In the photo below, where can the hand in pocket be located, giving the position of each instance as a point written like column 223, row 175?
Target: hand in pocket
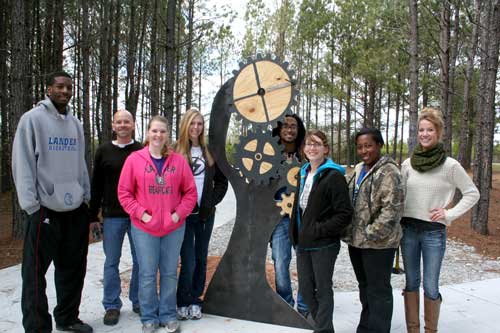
column 146, row 218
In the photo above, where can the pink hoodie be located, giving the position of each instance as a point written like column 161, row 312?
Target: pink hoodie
column 139, row 191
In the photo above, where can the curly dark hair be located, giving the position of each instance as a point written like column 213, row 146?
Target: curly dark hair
column 301, row 131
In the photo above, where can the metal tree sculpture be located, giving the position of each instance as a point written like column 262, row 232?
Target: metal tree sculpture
column 261, row 93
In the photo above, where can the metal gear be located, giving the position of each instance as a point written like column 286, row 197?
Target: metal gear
column 288, row 174
column 258, row 156
column 286, row 203
column 263, row 90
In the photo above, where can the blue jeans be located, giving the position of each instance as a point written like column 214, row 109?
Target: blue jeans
column 281, row 250
column 194, row 254
column 430, row 245
column 153, row 254
column 114, row 231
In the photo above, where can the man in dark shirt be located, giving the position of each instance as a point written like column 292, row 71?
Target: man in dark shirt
column 108, row 163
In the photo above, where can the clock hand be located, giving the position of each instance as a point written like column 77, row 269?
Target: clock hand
column 278, row 86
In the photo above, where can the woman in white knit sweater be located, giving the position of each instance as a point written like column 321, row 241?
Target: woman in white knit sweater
column 431, row 180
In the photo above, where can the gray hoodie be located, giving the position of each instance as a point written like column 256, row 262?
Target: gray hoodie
column 48, row 160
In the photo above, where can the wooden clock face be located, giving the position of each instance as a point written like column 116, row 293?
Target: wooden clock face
column 262, row 91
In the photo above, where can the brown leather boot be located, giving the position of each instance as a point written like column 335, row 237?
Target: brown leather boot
column 412, row 312
column 431, row 314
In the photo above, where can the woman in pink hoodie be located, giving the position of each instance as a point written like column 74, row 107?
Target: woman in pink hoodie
column 157, row 190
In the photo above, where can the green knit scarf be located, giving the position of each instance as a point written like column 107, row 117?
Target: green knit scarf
column 423, row 161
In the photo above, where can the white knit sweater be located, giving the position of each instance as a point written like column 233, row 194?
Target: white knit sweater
column 435, row 189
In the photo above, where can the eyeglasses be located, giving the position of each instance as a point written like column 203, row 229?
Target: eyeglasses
column 314, row 145
column 287, row 127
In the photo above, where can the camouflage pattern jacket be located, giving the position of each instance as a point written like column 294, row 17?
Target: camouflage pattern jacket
column 378, row 206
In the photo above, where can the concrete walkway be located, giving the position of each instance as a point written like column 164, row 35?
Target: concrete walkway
column 469, row 307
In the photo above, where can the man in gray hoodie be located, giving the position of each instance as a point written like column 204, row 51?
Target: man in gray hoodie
column 52, row 184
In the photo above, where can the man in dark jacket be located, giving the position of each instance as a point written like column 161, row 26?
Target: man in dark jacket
column 108, row 163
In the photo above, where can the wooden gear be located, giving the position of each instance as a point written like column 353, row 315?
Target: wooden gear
column 286, row 204
column 262, row 91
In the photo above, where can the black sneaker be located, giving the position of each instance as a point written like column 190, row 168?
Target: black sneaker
column 111, row 317
column 136, row 309
column 78, row 326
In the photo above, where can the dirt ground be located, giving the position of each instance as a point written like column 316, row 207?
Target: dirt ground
column 11, row 250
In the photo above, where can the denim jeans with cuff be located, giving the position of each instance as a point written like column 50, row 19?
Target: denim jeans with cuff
column 114, row 230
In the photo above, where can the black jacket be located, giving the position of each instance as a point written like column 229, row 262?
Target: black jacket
column 327, row 214
column 214, row 189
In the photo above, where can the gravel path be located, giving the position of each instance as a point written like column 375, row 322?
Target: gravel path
column 461, row 263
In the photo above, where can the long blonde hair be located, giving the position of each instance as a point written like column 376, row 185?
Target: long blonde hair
column 183, row 145
column 165, row 149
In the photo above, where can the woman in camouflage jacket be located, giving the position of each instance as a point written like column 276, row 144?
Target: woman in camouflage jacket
column 377, row 194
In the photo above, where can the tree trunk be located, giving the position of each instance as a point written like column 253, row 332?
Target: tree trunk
column 370, row 112
column 105, row 133
column 5, row 178
column 316, row 83
column 134, row 61
column 387, row 121
column 378, row 111
column 200, row 73
column 85, row 45
column 170, row 60
column 453, row 62
column 444, row 60
column 365, row 104
column 339, row 123
column 189, row 60
column 130, row 87
column 178, row 81
column 348, row 116
column 413, row 69
column 39, row 89
column 20, row 87
column 464, row 152
column 48, row 42
column 396, row 121
column 58, row 35
column 401, row 144
column 115, row 54
column 155, row 64
column 490, row 42
column 425, row 84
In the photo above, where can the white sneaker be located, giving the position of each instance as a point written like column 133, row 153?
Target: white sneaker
column 183, row 313
column 148, row 328
column 195, row 311
column 172, row 326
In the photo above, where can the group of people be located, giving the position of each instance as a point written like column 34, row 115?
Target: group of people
column 376, row 209
column 163, row 197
